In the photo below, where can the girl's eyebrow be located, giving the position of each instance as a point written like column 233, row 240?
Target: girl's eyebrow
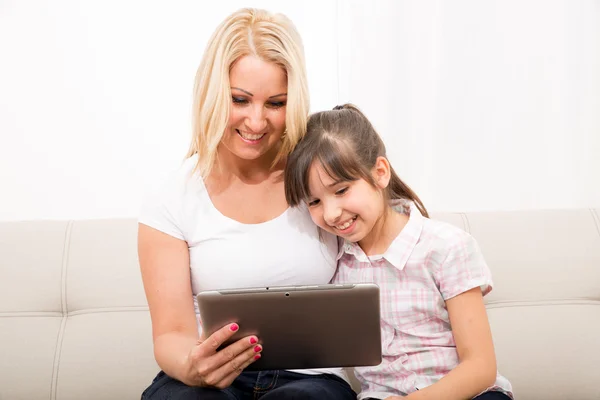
column 251, row 95
column 335, row 182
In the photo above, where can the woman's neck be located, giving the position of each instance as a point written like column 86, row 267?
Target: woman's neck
column 229, row 166
column 387, row 228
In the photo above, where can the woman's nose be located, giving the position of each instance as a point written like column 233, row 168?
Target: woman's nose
column 256, row 120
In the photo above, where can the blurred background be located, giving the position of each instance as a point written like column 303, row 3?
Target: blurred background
column 483, row 104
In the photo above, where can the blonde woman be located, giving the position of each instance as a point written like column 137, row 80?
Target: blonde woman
column 222, row 220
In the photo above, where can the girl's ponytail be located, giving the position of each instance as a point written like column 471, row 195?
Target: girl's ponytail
column 346, row 144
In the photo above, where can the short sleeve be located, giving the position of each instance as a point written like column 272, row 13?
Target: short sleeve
column 463, row 269
column 163, row 208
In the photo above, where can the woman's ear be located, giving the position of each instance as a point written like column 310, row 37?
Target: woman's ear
column 382, row 172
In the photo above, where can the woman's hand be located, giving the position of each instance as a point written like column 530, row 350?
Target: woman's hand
column 211, row 368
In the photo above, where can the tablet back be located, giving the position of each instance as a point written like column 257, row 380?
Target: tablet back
column 301, row 327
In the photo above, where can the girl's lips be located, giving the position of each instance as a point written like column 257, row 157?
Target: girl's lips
column 347, row 230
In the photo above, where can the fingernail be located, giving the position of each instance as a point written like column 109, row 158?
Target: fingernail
column 253, row 340
column 234, row 327
column 256, row 357
column 257, row 349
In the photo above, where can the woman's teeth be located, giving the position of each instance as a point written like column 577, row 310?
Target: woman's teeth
column 249, row 136
column 346, row 225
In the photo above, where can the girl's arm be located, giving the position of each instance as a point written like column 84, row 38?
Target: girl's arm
column 472, row 334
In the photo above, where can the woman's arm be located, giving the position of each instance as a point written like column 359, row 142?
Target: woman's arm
column 472, row 334
column 164, row 263
column 179, row 352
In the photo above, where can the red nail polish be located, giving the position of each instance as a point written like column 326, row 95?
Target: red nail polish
column 234, row 327
column 257, row 349
column 256, row 357
column 253, row 340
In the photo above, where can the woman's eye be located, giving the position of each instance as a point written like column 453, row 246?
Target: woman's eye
column 239, row 100
column 276, row 104
column 313, row 203
column 341, row 191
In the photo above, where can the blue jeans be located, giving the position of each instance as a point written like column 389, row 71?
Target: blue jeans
column 483, row 396
column 251, row 385
column 492, row 396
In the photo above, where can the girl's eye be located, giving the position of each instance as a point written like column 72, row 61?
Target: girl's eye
column 239, row 100
column 342, row 191
column 313, row 203
column 276, row 104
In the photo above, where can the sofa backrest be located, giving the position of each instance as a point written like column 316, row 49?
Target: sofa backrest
column 74, row 322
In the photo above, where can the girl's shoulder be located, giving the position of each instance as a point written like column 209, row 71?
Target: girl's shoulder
column 443, row 237
column 443, row 230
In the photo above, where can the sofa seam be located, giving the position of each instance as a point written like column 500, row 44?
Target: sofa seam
column 596, row 219
column 64, row 310
column 83, row 311
column 48, row 314
column 466, row 223
column 101, row 310
column 65, row 262
column 542, row 303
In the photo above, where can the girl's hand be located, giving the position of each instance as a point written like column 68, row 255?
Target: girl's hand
column 211, row 368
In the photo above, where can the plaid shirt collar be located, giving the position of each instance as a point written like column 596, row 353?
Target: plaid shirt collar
column 401, row 247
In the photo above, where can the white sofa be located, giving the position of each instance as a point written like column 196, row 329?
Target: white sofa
column 74, row 323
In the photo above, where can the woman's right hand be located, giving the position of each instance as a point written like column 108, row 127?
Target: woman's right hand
column 211, row 368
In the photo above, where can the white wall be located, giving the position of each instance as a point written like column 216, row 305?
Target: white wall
column 483, row 105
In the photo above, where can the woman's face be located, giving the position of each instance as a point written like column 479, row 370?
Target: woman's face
column 258, row 106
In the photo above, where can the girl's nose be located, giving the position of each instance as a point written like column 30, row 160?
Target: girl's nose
column 332, row 214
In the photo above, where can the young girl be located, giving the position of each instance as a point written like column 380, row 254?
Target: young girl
column 436, row 339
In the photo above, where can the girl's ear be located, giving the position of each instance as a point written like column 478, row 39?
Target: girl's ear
column 382, row 172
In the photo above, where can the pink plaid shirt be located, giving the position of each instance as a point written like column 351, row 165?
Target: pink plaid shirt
column 429, row 262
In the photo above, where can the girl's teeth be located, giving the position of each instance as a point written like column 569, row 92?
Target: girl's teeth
column 346, row 225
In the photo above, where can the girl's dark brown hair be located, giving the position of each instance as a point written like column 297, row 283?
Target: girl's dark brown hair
column 346, row 144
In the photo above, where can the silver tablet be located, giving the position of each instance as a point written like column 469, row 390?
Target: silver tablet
column 301, row 327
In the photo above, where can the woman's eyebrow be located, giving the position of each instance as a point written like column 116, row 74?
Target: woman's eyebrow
column 242, row 90
column 251, row 95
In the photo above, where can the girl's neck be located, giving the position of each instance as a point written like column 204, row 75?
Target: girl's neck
column 387, row 228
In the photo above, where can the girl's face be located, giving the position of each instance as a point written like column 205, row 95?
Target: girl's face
column 350, row 209
column 258, row 106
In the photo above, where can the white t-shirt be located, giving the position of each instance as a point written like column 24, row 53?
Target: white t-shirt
column 227, row 254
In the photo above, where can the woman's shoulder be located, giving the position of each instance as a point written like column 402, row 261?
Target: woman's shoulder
column 164, row 205
column 181, row 179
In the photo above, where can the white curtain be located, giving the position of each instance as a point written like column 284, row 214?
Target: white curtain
column 484, row 105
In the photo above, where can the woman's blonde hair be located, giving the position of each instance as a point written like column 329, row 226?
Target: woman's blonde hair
column 270, row 37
